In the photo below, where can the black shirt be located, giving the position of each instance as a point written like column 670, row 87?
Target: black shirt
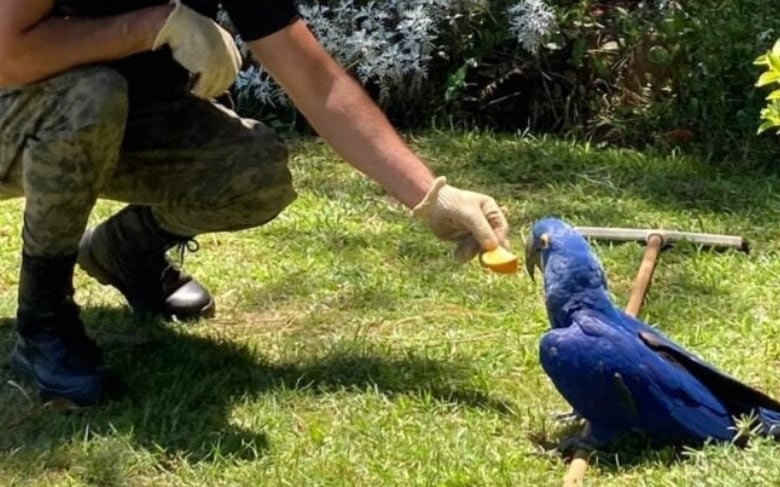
column 154, row 74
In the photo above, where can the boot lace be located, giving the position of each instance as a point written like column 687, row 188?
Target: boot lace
column 191, row 245
column 172, row 273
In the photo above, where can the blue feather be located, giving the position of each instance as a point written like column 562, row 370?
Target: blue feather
column 621, row 374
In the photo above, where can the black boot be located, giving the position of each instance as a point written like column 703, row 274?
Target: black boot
column 128, row 251
column 53, row 349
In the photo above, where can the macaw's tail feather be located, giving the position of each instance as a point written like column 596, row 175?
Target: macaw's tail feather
column 770, row 423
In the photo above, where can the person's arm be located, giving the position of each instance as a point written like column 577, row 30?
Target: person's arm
column 340, row 111
column 34, row 46
column 338, row 108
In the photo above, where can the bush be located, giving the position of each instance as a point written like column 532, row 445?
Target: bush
column 771, row 76
column 411, row 55
column 707, row 82
column 633, row 73
column 668, row 72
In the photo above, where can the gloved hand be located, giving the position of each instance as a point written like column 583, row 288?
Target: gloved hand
column 472, row 219
column 202, row 47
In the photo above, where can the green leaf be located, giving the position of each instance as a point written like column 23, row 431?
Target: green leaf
column 764, row 127
column 776, row 48
column 598, row 65
column 774, row 61
column 767, row 78
column 773, row 96
column 762, row 60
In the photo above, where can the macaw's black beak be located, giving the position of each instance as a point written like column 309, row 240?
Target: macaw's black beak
column 533, row 258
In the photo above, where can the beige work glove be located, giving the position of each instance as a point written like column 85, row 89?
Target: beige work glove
column 472, row 219
column 203, row 47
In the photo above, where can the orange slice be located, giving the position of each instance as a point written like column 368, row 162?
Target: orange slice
column 499, row 260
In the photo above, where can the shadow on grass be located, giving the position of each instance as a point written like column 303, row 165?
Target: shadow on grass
column 182, row 389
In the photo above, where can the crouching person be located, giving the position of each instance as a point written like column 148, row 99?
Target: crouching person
column 119, row 101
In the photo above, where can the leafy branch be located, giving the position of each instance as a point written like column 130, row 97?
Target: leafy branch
column 771, row 76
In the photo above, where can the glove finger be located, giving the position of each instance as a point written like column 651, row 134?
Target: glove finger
column 205, row 83
column 232, row 58
column 198, row 89
column 467, row 249
column 215, row 81
column 210, row 85
column 203, row 88
column 487, row 228
column 497, row 219
column 235, row 53
column 227, row 76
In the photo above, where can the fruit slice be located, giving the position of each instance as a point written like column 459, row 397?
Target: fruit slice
column 499, row 260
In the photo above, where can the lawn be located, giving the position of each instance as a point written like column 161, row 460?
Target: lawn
column 349, row 349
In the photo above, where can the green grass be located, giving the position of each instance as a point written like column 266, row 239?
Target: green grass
column 349, row 349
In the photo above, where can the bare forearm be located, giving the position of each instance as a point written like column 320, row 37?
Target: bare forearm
column 361, row 134
column 57, row 44
column 340, row 111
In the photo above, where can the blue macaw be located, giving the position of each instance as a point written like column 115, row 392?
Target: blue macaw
column 620, row 374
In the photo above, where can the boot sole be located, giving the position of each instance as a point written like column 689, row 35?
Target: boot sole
column 207, row 311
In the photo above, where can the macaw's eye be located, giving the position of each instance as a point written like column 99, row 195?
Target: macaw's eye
column 545, row 241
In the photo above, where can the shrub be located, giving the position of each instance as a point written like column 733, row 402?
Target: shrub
column 664, row 72
column 409, row 54
column 771, row 76
column 622, row 71
column 707, row 88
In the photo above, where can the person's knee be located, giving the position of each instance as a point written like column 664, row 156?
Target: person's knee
column 251, row 187
column 265, row 165
column 259, row 191
column 259, row 170
column 276, row 147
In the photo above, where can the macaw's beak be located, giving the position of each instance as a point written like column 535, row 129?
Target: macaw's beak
column 533, row 258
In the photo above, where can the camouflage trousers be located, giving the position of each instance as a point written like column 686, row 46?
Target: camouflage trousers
column 71, row 139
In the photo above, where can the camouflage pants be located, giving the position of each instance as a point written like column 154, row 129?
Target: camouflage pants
column 76, row 137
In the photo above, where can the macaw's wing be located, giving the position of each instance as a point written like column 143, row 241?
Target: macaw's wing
column 584, row 369
column 585, row 359
column 736, row 395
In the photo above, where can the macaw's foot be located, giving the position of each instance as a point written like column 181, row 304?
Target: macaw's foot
column 568, row 446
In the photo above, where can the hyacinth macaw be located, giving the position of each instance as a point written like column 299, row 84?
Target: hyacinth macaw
column 620, row 374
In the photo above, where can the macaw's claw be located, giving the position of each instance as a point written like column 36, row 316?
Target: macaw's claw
column 567, row 417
